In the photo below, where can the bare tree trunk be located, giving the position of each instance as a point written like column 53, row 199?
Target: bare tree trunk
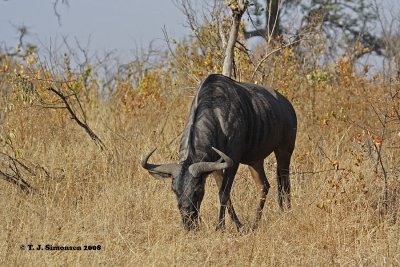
column 273, row 18
column 238, row 7
column 272, row 28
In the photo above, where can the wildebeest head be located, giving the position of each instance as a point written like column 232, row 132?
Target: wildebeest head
column 188, row 181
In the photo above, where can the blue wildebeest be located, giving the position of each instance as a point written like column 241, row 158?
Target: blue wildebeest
column 230, row 123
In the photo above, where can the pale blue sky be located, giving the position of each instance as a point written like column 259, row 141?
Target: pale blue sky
column 120, row 25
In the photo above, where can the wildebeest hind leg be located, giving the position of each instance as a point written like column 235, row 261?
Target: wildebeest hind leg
column 283, row 162
column 258, row 173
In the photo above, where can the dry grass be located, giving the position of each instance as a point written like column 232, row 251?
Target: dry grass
column 340, row 214
column 94, row 198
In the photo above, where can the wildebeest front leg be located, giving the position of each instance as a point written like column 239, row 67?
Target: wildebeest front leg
column 225, row 193
column 218, row 176
column 258, row 173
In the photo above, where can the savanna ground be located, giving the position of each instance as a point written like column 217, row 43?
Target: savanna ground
column 344, row 173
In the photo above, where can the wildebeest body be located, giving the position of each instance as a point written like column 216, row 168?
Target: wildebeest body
column 230, row 123
column 246, row 121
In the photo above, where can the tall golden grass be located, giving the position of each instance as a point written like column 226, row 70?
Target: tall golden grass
column 340, row 212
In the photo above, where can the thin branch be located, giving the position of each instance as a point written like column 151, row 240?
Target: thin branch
column 378, row 150
column 167, row 40
column 56, row 13
column 16, row 177
column 18, row 181
column 83, row 124
column 273, row 52
column 320, row 171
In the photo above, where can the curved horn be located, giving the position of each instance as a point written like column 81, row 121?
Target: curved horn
column 201, row 167
column 159, row 171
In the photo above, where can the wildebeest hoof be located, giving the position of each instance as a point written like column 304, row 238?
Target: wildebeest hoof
column 239, row 227
column 220, row 227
